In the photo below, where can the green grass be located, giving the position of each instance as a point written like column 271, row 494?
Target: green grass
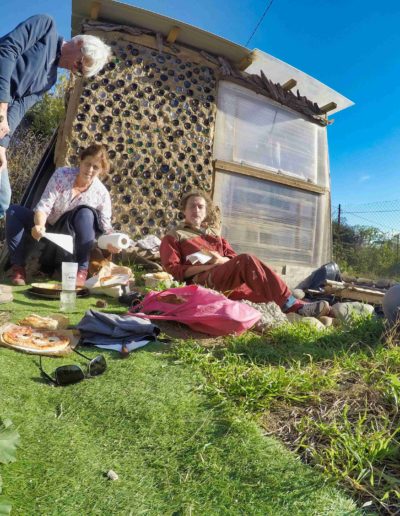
column 177, row 449
column 331, row 396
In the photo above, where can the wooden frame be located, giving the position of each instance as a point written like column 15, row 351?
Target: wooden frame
column 248, row 170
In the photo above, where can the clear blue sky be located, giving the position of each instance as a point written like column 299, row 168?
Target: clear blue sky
column 352, row 46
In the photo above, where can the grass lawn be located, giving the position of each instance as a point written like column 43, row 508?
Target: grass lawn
column 177, row 447
column 332, row 396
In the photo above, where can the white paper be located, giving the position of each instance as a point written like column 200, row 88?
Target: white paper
column 198, row 257
column 118, row 347
column 66, row 242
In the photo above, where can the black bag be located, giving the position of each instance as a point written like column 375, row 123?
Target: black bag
column 329, row 271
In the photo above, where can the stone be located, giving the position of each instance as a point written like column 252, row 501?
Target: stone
column 271, row 315
column 391, row 304
column 298, row 293
column 348, row 278
column 382, row 283
column 294, row 318
column 365, row 281
column 326, row 321
column 346, row 311
column 112, row 475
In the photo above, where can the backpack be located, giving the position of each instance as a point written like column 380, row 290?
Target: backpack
column 329, row 271
column 200, row 308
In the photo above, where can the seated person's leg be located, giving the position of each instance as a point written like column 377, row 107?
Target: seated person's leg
column 19, row 222
column 85, row 235
column 246, row 277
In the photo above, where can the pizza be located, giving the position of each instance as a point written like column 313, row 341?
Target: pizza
column 31, row 339
column 39, row 322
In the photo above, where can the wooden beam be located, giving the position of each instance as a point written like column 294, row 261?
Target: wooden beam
column 348, row 291
column 245, row 62
column 289, row 85
column 328, row 107
column 173, row 34
column 260, row 173
column 95, row 10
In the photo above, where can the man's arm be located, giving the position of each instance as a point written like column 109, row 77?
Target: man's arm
column 3, row 159
column 4, row 127
column 15, row 113
column 15, row 43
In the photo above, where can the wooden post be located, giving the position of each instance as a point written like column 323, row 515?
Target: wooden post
column 328, row 107
column 94, row 10
column 173, row 34
column 289, row 85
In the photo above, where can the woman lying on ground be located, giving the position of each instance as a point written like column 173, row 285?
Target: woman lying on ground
column 75, row 202
column 240, row 276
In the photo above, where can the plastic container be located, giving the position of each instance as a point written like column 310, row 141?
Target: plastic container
column 67, row 301
column 69, row 271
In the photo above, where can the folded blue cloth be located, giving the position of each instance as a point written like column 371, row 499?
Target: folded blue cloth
column 103, row 328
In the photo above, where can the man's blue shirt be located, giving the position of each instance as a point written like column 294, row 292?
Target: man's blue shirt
column 29, row 57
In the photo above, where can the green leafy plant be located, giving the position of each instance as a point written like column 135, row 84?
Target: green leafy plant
column 9, row 439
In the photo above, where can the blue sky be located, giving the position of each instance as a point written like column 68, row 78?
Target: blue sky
column 352, row 46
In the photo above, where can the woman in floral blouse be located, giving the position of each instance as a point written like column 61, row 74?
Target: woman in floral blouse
column 73, row 198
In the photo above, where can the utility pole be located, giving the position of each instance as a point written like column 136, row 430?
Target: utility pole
column 339, row 215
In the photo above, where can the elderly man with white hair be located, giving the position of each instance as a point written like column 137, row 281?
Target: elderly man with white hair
column 29, row 57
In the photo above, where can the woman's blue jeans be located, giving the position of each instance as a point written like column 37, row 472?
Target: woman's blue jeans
column 20, row 221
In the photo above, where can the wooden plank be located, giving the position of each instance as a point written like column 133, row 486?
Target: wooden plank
column 173, row 34
column 289, row 85
column 260, row 173
column 245, row 62
column 350, row 286
column 375, row 298
column 95, row 10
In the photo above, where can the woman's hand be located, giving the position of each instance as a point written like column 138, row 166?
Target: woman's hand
column 38, row 231
column 217, row 259
column 112, row 249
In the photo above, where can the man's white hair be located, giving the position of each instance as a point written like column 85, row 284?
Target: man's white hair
column 95, row 53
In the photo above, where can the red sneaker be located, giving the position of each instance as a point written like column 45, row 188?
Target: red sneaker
column 81, row 277
column 18, row 275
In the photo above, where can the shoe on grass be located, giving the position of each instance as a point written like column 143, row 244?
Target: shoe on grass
column 18, row 275
column 81, row 277
column 315, row 309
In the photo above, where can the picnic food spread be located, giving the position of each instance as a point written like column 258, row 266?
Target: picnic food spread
column 44, row 323
column 30, row 339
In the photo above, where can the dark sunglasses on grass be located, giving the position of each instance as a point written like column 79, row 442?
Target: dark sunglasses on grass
column 67, row 374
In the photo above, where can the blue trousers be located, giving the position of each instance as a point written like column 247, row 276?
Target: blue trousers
column 5, row 192
column 20, row 221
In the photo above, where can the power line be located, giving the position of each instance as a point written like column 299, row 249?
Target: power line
column 259, row 21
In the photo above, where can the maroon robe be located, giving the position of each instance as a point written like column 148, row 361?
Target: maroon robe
column 244, row 276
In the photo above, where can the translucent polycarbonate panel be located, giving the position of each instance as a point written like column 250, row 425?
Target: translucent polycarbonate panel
column 254, row 130
column 279, row 224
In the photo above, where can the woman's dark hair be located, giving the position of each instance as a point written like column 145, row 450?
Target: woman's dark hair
column 96, row 149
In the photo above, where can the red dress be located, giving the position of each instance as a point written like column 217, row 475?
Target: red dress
column 244, row 276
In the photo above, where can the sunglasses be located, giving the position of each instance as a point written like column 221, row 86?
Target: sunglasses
column 79, row 67
column 68, row 374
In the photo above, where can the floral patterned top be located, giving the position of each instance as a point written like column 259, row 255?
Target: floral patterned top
column 57, row 197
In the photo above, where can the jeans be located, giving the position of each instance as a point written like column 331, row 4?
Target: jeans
column 5, row 192
column 20, row 221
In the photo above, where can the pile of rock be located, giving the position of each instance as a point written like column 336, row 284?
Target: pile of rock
column 342, row 314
